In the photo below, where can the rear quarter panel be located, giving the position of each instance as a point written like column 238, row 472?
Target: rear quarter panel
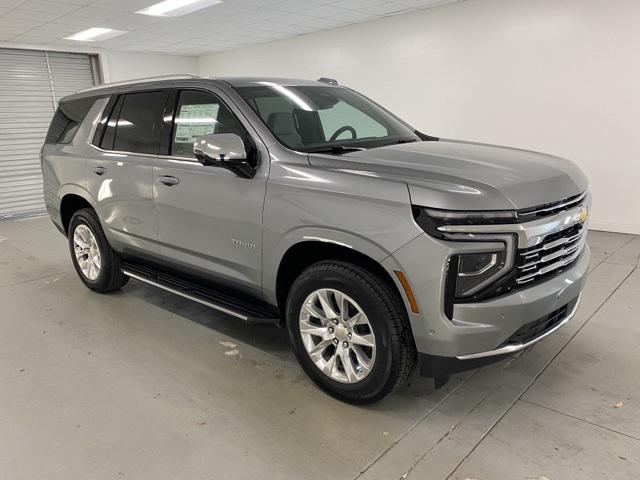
column 64, row 166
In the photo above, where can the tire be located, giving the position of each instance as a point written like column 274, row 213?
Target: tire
column 108, row 276
column 384, row 369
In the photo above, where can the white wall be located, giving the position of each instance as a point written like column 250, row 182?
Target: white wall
column 118, row 66
column 560, row 76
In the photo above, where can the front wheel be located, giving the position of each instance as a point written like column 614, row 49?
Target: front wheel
column 350, row 332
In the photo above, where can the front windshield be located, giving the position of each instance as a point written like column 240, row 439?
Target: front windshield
column 323, row 118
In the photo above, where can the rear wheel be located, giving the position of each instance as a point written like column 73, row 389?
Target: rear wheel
column 97, row 264
column 350, row 332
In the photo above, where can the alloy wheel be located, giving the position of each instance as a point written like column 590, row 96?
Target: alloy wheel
column 87, row 252
column 337, row 335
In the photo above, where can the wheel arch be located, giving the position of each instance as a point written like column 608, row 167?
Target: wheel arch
column 303, row 254
column 71, row 202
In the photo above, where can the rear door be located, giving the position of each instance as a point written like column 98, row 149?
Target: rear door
column 210, row 219
column 120, row 168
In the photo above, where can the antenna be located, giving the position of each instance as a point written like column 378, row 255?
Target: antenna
column 330, row 81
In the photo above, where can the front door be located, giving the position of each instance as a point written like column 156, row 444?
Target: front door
column 210, row 219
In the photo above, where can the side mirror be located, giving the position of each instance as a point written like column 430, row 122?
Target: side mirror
column 224, row 150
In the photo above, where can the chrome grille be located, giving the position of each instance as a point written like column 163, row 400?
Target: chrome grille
column 528, row 214
column 556, row 251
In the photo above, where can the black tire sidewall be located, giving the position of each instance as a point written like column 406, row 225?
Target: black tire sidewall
column 374, row 384
column 87, row 218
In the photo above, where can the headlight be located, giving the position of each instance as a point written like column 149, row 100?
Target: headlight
column 470, row 274
column 478, row 270
column 475, row 271
column 432, row 218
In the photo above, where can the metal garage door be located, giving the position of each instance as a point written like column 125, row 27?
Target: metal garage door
column 31, row 83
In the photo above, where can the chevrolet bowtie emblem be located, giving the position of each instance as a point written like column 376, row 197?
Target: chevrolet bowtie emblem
column 582, row 214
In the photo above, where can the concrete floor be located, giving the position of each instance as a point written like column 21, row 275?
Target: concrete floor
column 137, row 385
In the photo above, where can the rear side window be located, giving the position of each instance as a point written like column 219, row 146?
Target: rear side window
column 67, row 120
column 135, row 123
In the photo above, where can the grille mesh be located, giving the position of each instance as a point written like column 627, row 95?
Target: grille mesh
column 557, row 250
column 538, row 327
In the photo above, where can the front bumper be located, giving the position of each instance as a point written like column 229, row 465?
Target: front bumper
column 482, row 332
column 442, row 367
column 509, row 347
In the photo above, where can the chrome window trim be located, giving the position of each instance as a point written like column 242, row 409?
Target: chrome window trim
column 150, row 155
column 122, row 152
column 176, row 158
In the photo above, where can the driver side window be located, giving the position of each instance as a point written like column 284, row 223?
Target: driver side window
column 200, row 113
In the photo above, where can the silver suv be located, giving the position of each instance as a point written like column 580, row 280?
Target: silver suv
column 306, row 204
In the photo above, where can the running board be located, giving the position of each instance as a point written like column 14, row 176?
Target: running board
column 222, row 302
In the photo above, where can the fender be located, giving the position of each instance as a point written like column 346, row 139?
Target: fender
column 348, row 240
column 71, row 189
column 75, row 189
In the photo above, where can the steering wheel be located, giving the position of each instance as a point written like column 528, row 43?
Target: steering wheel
column 341, row 130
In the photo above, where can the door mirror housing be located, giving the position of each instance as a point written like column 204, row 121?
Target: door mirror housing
column 225, row 150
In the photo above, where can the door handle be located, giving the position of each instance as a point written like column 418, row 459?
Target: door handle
column 99, row 170
column 168, row 180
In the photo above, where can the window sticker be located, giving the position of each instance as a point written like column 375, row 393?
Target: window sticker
column 195, row 120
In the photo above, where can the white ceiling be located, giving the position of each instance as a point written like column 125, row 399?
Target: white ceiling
column 231, row 24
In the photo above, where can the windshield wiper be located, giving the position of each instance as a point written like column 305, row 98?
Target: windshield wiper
column 401, row 140
column 335, row 149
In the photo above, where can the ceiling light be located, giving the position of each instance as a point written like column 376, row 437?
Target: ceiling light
column 175, row 8
column 94, row 34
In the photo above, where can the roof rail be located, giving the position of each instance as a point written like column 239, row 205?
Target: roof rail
column 140, row 80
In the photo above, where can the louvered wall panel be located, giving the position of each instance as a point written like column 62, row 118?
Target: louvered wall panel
column 27, row 102
column 70, row 72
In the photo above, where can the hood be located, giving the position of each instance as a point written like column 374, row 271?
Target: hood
column 457, row 175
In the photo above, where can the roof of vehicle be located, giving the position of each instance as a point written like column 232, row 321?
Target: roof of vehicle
column 109, row 88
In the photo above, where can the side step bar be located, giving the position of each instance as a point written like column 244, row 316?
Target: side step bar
column 222, row 302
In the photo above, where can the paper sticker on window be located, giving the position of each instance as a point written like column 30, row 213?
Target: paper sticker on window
column 195, row 120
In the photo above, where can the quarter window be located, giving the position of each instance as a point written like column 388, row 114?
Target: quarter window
column 67, row 119
column 200, row 113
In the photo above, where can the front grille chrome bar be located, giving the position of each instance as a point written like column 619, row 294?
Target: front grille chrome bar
column 530, row 234
column 555, row 207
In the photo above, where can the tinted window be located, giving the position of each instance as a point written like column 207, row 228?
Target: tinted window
column 104, row 118
column 67, row 120
column 200, row 113
column 139, row 123
column 110, row 131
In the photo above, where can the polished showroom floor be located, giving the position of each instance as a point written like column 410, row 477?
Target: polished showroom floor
column 139, row 385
